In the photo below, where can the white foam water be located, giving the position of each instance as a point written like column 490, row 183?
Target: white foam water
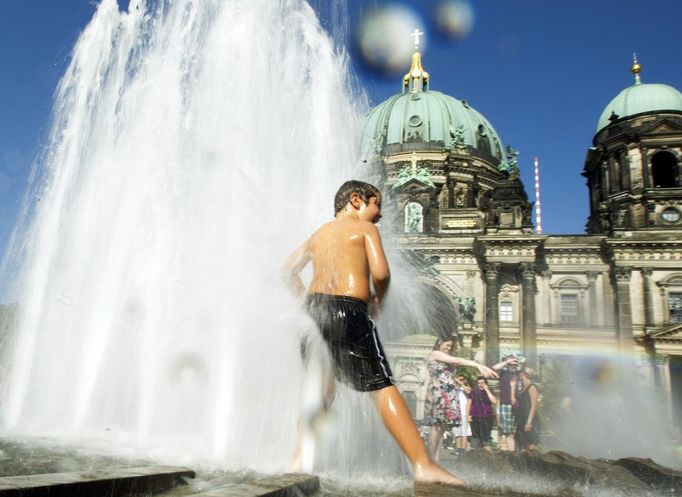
column 194, row 145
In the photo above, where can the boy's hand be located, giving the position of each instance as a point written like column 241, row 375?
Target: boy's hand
column 373, row 307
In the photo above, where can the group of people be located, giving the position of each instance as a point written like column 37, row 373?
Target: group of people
column 451, row 404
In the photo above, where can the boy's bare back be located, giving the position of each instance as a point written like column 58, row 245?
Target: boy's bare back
column 345, row 254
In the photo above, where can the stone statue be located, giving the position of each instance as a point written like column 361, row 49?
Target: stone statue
column 511, row 163
column 459, row 198
column 414, row 218
column 467, row 308
column 409, row 172
column 457, row 138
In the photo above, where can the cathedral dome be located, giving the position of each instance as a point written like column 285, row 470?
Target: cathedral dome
column 430, row 117
column 640, row 98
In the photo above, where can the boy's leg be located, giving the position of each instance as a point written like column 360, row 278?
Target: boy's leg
column 398, row 420
column 305, row 428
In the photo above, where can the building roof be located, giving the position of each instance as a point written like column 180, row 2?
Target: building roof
column 640, row 98
column 422, row 115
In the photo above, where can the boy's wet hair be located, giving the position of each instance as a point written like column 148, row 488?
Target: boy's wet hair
column 364, row 190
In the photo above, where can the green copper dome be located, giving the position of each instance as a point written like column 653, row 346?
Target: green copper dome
column 641, row 98
column 430, row 116
column 422, row 116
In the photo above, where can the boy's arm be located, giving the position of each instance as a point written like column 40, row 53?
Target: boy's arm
column 378, row 264
column 293, row 266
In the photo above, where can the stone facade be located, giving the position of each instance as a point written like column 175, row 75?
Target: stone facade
column 617, row 288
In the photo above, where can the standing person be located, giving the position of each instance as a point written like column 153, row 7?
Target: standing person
column 350, row 278
column 509, row 373
column 463, row 431
column 441, row 407
column 527, row 420
column 481, row 413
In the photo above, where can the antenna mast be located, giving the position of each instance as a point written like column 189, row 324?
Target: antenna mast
column 538, row 210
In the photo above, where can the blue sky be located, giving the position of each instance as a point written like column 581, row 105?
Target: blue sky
column 540, row 71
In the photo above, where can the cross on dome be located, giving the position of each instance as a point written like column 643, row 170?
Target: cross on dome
column 414, row 159
column 416, row 34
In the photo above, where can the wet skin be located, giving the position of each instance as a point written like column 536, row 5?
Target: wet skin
column 345, row 253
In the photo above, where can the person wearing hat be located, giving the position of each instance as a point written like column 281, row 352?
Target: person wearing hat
column 509, row 382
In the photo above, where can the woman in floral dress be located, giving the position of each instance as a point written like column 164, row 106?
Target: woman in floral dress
column 441, row 408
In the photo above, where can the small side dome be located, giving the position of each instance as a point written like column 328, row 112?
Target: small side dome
column 640, row 99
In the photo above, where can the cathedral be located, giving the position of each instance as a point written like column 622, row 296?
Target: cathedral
column 465, row 217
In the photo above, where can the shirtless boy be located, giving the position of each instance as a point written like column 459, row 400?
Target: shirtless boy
column 346, row 254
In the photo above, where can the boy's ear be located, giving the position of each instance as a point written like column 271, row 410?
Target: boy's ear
column 355, row 200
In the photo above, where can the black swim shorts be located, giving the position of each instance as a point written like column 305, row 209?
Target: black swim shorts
column 350, row 334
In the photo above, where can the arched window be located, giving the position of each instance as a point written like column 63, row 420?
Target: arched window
column 675, row 307
column 414, row 218
column 673, row 294
column 664, row 170
column 506, row 311
column 569, row 295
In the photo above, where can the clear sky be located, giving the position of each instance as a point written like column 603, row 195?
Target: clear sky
column 541, row 71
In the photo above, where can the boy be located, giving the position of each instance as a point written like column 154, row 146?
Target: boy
column 346, row 253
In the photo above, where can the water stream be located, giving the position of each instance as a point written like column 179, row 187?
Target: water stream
column 194, row 145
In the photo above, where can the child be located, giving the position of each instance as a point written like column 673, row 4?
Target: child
column 481, row 413
column 346, row 253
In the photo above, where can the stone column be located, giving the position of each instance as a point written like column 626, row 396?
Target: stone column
column 592, row 296
column 605, row 180
column 529, row 345
column 623, row 308
column 614, row 177
column 624, row 159
column 451, row 193
column 649, row 319
column 492, row 314
column 646, row 172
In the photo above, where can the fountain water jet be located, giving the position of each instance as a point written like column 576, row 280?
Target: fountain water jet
column 194, row 145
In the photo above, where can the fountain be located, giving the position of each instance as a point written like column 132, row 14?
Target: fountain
column 194, row 145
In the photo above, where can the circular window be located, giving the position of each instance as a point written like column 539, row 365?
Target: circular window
column 671, row 215
column 415, row 120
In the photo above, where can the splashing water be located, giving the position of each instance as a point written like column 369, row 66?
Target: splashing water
column 195, row 144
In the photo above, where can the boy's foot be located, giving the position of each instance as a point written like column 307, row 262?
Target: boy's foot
column 434, row 473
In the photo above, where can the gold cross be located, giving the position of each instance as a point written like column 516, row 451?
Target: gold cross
column 416, row 34
column 413, row 159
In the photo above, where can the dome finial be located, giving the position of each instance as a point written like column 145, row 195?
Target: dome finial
column 417, row 79
column 636, row 69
